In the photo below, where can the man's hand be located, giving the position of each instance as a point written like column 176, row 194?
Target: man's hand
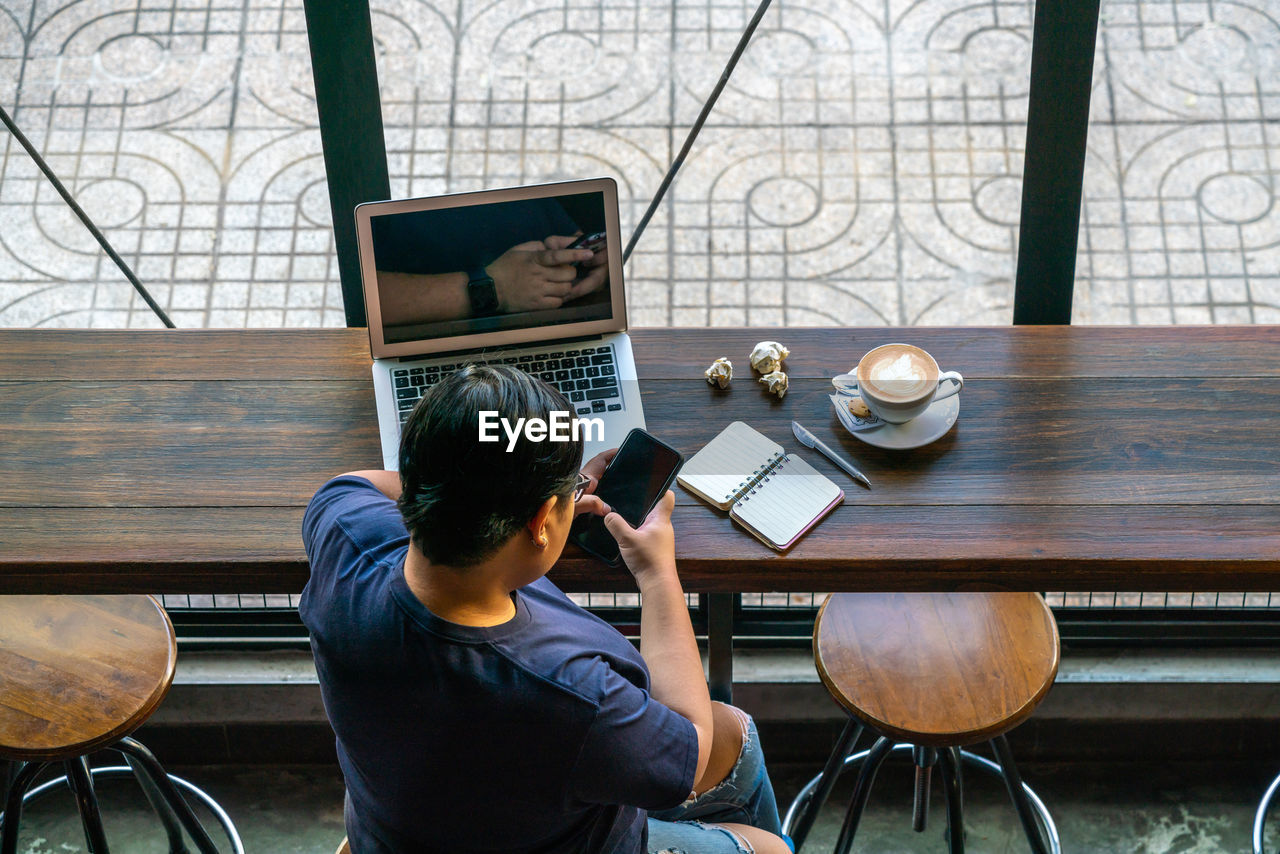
column 591, row 282
column 561, row 241
column 650, row 550
column 533, row 277
column 593, row 469
column 594, row 273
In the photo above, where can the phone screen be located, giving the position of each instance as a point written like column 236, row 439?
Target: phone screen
column 636, row 478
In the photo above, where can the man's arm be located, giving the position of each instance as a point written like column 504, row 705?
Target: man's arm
column 667, row 643
column 387, row 482
column 423, row 297
column 527, row 277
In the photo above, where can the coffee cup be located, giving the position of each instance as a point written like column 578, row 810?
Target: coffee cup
column 898, row 382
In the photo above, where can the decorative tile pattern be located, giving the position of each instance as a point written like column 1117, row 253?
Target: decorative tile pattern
column 862, row 167
column 1181, row 223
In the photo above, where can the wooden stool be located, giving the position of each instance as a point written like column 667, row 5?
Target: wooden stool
column 344, row 848
column 931, row 673
column 79, row 674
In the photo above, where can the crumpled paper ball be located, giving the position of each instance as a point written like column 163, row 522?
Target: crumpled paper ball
column 720, row 373
column 776, row 382
column 767, row 356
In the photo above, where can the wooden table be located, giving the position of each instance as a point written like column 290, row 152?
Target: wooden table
column 1084, row 459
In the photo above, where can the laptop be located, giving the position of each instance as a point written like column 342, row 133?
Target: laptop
column 526, row 276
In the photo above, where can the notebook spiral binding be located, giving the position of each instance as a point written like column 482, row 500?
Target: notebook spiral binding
column 747, row 488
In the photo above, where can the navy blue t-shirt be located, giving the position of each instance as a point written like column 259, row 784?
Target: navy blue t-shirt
column 537, row 735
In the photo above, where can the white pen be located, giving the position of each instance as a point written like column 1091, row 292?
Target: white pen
column 811, row 441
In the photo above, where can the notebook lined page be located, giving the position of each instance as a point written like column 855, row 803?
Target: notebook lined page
column 730, row 459
column 792, row 498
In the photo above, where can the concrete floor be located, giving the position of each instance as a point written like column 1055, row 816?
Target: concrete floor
column 1099, row 809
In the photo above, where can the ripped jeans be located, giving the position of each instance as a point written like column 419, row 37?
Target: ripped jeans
column 744, row 797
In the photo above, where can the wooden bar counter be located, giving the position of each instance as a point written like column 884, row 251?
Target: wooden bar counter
column 1084, row 458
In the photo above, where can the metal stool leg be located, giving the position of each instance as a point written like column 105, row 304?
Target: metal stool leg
column 952, row 756
column 953, row 788
column 7, row 778
column 959, row 763
column 1013, row 781
column 1261, row 818
column 808, row 811
column 172, row 827
column 24, row 774
column 81, row 784
column 1046, row 820
column 219, row 814
column 150, row 766
column 861, row 793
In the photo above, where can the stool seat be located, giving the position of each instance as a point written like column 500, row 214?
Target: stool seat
column 77, row 673
column 934, row 672
column 937, row 669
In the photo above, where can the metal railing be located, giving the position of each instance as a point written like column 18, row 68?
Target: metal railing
column 786, row 619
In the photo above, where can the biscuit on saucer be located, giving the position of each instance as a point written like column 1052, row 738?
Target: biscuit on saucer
column 857, row 408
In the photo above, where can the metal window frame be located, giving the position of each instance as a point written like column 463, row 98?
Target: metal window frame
column 1064, row 40
column 1063, row 44
column 349, row 105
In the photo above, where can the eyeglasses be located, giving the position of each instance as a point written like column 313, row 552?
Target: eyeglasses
column 580, row 486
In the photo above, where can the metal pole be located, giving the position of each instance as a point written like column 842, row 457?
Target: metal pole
column 350, row 109
column 44, row 167
column 1062, row 49
column 720, row 645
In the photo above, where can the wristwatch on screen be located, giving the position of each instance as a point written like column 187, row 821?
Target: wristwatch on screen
column 482, row 293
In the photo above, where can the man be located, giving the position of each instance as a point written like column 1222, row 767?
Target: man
column 476, row 707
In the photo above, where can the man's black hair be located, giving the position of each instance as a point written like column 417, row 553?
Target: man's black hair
column 463, row 498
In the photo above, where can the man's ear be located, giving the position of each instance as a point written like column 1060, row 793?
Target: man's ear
column 539, row 520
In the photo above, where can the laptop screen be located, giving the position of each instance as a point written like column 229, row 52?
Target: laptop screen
column 495, row 266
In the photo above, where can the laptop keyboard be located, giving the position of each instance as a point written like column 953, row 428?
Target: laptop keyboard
column 588, row 376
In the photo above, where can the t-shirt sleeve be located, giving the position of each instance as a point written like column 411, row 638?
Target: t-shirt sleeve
column 637, row 751
column 348, row 518
column 561, row 222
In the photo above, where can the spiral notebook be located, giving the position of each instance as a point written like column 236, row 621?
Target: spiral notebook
column 775, row 496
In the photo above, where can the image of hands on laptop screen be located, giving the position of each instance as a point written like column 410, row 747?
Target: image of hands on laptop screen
column 489, row 267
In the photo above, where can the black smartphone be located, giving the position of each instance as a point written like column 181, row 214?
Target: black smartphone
column 594, row 242
column 635, row 479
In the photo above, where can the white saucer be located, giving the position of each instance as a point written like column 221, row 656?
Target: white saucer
column 929, row 426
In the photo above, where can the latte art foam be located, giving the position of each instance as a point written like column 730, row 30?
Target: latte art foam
column 898, row 372
column 901, row 369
